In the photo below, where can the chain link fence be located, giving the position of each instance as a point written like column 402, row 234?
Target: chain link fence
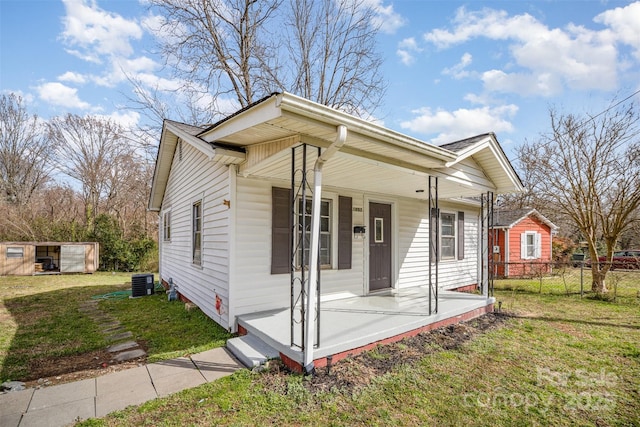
column 569, row 278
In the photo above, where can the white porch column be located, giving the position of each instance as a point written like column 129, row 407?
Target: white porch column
column 315, row 246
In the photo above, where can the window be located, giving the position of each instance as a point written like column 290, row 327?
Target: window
column 530, row 245
column 166, row 226
column 379, row 230
column 447, row 236
column 325, row 232
column 282, row 229
column 15, row 252
column 197, row 232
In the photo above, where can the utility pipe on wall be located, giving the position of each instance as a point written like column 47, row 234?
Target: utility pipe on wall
column 315, row 244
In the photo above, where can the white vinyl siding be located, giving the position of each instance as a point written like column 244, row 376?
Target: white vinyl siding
column 530, row 245
column 414, row 248
column 192, row 179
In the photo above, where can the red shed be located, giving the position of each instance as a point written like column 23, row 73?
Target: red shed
column 523, row 239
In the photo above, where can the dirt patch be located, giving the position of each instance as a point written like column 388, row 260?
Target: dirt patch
column 60, row 370
column 348, row 375
column 356, row 372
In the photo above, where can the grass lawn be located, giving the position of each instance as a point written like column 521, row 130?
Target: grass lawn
column 40, row 322
column 559, row 360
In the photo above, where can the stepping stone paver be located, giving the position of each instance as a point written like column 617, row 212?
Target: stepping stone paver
column 119, row 337
column 122, row 346
column 128, row 355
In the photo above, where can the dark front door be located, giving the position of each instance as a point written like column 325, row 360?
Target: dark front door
column 379, row 246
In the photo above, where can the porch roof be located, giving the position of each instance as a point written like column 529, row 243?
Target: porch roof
column 373, row 159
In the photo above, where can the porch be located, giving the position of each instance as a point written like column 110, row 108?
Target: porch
column 358, row 323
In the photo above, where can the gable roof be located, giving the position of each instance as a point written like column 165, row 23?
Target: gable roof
column 172, row 132
column 281, row 118
column 511, row 217
column 463, row 144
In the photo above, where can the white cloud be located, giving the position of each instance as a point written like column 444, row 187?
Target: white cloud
column 406, row 57
column 60, row 95
column 72, row 77
column 123, row 68
column 462, row 123
column 459, row 71
column 385, row 17
column 544, row 84
column 407, row 49
column 625, row 24
column 92, row 32
column 127, row 119
column 548, row 58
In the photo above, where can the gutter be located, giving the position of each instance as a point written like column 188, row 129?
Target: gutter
column 315, row 246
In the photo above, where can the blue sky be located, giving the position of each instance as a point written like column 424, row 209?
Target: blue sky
column 454, row 69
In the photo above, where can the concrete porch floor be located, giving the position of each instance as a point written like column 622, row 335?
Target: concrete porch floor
column 354, row 324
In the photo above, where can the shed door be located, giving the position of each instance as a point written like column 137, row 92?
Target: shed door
column 379, row 246
column 72, row 259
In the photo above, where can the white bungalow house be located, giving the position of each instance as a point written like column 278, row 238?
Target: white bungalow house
column 398, row 226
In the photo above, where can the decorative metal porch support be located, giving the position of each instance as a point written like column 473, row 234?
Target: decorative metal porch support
column 434, row 244
column 302, row 194
column 487, row 234
column 306, row 254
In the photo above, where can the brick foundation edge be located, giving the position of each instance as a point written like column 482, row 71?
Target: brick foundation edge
column 322, row 362
column 291, row 364
column 467, row 288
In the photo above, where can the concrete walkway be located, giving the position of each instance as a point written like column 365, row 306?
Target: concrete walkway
column 65, row 404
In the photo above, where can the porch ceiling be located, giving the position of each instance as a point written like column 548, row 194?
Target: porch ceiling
column 374, row 174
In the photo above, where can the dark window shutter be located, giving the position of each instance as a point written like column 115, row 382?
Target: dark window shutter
column 345, row 222
column 280, row 230
column 460, row 235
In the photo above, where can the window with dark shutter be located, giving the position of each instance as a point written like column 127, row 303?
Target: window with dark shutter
column 280, row 230
column 345, row 222
column 460, row 235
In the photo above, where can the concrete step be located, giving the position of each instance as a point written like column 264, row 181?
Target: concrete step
column 251, row 351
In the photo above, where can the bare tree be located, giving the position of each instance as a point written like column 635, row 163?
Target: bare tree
column 323, row 50
column 332, row 52
column 91, row 150
column 25, row 153
column 218, row 46
column 588, row 169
